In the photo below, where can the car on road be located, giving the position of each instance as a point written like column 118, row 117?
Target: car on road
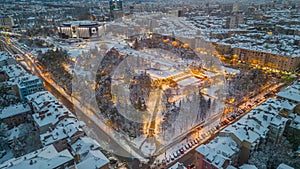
column 172, row 157
column 232, row 117
column 191, row 143
column 184, row 148
column 168, row 159
column 240, row 112
column 175, row 155
column 181, row 151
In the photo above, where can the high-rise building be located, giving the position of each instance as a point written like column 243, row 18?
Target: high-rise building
column 28, row 84
column 116, row 9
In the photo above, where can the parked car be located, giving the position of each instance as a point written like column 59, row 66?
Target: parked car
column 172, row 157
column 175, row 155
column 181, row 151
column 167, row 159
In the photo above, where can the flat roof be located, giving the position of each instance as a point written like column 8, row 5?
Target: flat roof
column 14, row 110
column 81, row 23
column 13, row 70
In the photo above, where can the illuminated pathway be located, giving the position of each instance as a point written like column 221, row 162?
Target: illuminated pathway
column 156, row 100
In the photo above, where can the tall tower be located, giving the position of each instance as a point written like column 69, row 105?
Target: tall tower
column 116, row 9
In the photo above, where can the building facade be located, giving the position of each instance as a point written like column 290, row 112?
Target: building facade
column 270, row 60
column 80, row 29
column 28, row 84
column 116, row 9
column 14, row 115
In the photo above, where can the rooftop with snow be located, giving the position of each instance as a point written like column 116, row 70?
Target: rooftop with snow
column 291, row 93
column 46, row 157
column 14, row 110
column 13, row 71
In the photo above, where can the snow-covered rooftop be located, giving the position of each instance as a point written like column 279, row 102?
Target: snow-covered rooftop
column 177, row 165
column 243, row 133
column 46, row 157
column 248, row 166
column 268, row 108
column 257, row 122
column 91, row 156
column 188, row 81
column 291, row 93
column 39, row 99
column 66, row 128
column 13, row 71
column 51, row 113
column 211, row 155
column 94, row 159
column 224, row 145
column 84, row 144
column 280, row 103
column 231, row 167
column 264, row 42
column 284, row 166
column 296, row 122
column 279, row 121
column 23, row 81
column 18, row 131
column 14, row 110
column 81, row 23
column 3, row 56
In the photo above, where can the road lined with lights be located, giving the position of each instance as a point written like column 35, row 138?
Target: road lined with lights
column 185, row 150
column 105, row 140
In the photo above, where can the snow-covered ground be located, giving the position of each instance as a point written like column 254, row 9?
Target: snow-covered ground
column 120, row 91
column 139, row 60
column 230, row 70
